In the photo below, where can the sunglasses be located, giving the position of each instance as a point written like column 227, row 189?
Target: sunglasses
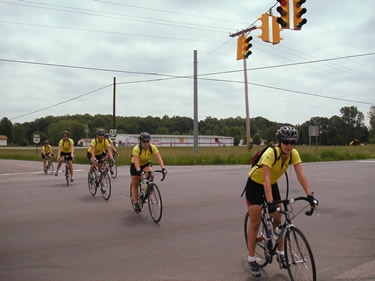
column 101, row 135
column 286, row 142
column 145, row 141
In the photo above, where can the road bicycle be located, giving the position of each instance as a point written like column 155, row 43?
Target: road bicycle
column 298, row 254
column 100, row 179
column 49, row 165
column 148, row 192
column 67, row 169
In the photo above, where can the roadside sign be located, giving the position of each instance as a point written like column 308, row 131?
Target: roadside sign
column 112, row 132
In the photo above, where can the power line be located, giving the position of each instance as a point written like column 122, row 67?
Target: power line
column 169, row 77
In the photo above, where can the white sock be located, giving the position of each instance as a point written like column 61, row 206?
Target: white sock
column 251, row 259
column 281, row 253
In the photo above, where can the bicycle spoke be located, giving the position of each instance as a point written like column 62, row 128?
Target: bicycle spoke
column 299, row 256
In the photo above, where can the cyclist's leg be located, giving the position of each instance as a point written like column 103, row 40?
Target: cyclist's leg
column 135, row 183
column 60, row 159
column 252, row 232
column 44, row 162
column 148, row 168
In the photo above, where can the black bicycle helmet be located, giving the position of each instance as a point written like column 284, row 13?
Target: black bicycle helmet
column 106, row 135
column 46, row 142
column 100, row 132
column 65, row 133
column 144, row 136
column 287, row 133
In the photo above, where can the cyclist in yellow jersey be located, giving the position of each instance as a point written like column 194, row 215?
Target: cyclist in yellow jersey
column 112, row 145
column 66, row 149
column 46, row 152
column 141, row 161
column 262, row 187
column 95, row 152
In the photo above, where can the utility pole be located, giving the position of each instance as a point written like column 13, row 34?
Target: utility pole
column 195, row 125
column 114, row 104
column 248, row 136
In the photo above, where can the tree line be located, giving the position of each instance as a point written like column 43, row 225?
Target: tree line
column 337, row 130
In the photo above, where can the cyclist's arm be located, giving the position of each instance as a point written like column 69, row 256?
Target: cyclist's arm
column 93, row 158
column 72, row 148
column 159, row 159
column 302, row 178
column 109, row 152
column 136, row 161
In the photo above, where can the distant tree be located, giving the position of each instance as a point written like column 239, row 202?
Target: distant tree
column 371, row 117
column 256, row 139
column 355, row 126
column 6, row 128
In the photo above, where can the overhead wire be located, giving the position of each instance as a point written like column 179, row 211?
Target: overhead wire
column 100, row 13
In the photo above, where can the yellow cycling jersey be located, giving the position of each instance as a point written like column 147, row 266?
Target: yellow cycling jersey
column 268, row 158
column 46, row 149
column 66, row 145
column 99, row 146
column 145, row 154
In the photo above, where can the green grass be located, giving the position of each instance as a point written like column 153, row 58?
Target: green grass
column 208, row 155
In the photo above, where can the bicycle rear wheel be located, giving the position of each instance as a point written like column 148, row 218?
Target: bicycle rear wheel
column 155, row 204
column 261, row 242
column 50, row 168
column 105, row 185
column 299, row 257
column 92, row 184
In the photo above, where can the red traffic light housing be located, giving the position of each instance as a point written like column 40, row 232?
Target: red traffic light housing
column 283, row 10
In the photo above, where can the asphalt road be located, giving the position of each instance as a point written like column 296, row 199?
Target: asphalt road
column 52, row 232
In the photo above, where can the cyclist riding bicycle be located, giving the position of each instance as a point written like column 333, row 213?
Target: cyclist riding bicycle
column 66, row 149
column 95, row 152
column 46, row 152
column 141, row 161
column 112, row 145
column 262, row 185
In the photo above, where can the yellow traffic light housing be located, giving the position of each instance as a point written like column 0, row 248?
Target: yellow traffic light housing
column 298, row 11
column 265, row 28
column 283, row 10
column 243, row 47
column 275, row 31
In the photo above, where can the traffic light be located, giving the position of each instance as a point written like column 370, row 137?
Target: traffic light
column 298, row 12
column 265, row 28
column 243, row 47
column 275, row 31
column 283, row 10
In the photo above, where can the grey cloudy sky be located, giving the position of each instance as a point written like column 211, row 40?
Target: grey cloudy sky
column 60, row 58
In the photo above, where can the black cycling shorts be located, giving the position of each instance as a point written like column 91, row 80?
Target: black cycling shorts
column 255, row 192
column 133, row 170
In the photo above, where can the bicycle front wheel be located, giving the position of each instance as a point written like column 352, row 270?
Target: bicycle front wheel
column 105, row 185
column 113, row 170
column 299, row 257
column 155, row 204
column 67, row 175
column 261, row 244
column 50, row 168
column 92, row 184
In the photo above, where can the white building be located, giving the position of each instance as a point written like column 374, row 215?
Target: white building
column 3, row 140
column 175, row 140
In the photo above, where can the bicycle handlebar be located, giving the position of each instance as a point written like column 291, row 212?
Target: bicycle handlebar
column 292, row 200
column 156, row 171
